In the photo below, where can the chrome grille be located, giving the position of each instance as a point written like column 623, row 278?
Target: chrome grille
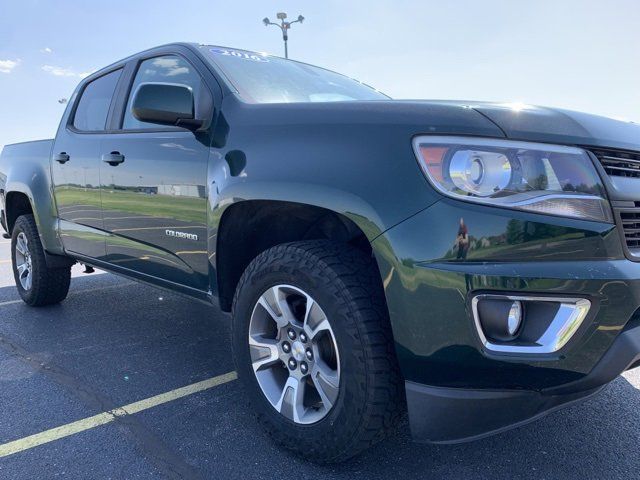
column 619, row 163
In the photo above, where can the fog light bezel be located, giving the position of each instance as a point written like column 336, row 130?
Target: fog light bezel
column 570, row 315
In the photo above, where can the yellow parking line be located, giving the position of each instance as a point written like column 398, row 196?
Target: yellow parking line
column 603, row 328
column 76, row 206
column 5, row 261
column 183, row 227
column 107, row 287
column 10, row 302
column 106, row 417
column 128, row 218
column 73, row 294
column 67, row 212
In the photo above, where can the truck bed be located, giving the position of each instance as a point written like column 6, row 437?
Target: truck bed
column 22, row 164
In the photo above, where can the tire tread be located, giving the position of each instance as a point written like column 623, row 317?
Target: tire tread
column 50, row 285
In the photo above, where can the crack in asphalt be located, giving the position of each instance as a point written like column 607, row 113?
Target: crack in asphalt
column 170, row 464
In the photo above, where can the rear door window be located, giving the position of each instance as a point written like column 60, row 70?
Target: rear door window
column 93, row 107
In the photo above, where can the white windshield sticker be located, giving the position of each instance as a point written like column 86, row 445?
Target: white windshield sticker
column 253, row 57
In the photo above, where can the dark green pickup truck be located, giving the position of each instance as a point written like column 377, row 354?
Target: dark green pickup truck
column 474, row 263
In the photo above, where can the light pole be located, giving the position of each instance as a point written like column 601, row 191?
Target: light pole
column 284, row 26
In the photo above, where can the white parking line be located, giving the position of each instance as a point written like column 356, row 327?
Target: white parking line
column 106, row 417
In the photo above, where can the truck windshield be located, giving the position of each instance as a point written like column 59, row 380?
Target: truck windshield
column 265, row 79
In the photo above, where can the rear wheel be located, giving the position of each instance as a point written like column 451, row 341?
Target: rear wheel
column 37, row 284
column 314, row 350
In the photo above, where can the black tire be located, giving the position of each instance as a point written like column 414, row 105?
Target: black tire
column 346, row 284
column 49, row 285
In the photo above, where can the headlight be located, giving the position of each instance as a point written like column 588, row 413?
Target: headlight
column 549, row 179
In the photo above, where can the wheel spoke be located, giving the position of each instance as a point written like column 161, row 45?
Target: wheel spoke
column 28, row 281
column 285, row 309
column 269, row 300
column 290, row 403
column 327, row 384
column 22, row 268
column 311, row 313
column 322, row 326
column 264, row 352
column 315, row 320
column 20, row 247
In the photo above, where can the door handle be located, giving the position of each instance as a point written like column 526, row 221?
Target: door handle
column 114, row 158
column 61, row 157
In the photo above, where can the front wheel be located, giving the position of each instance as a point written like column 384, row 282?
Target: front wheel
column 314, row 350
column 38, row 284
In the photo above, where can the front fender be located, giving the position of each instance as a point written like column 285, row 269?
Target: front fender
column 339, row 201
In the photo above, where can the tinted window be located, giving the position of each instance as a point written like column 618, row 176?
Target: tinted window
column 166, row 69
column 93, row 107
column 264, row 79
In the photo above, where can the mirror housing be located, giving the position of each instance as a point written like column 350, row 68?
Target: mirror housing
column 165, row 104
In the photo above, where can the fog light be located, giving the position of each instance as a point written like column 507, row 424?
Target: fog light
column 515, row 318
column 527, row 324
column 501, row 319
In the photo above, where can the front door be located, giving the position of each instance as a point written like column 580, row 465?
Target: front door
column 154, row 191
column 76, row 168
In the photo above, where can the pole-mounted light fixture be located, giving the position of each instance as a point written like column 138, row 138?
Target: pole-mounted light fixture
column 283, row 26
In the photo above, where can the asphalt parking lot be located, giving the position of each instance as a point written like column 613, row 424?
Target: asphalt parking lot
column 113, row 343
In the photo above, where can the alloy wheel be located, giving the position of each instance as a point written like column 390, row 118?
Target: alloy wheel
column 24, row 262
column 294, row 354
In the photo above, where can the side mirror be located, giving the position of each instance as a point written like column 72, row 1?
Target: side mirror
column 165, row 104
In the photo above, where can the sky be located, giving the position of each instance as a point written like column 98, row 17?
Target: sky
column 577, row 54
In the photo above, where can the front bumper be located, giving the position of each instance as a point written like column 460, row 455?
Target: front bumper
column 458, row 390
column 453, row 415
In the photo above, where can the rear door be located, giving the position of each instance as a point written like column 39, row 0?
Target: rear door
column 154, row 200
column 76, row 167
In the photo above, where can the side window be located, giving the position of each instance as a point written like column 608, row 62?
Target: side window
column 165, row 69
column 93, row 107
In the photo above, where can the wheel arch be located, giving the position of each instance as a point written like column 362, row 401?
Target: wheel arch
column 16, row 204
column 20, row 199
column 248, row 228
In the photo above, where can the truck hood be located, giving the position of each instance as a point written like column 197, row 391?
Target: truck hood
column 448, row 117
column 553, row 125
